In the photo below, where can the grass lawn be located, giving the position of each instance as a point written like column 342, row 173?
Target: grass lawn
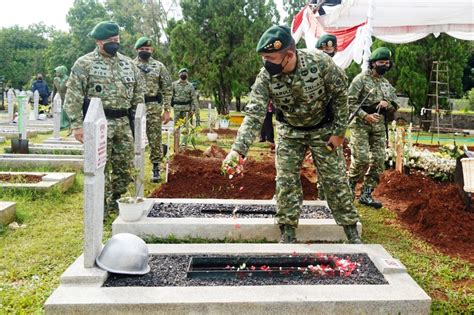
column 33, row 257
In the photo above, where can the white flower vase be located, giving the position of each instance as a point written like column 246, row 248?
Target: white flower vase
column 212, row 136
column 468, row 174
column 223, row 123
column 131, row 209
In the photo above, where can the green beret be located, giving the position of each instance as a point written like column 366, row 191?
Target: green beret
column 276, row 38
column 104, row 30
column 143, row 41
column 182, row 70
column 381, row 53
column 326, row 40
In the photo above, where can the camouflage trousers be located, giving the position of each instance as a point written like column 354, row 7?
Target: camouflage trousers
column 367, row 145
column 119, row 160
column 180, row 112
column 290, row 152
column 153, row 131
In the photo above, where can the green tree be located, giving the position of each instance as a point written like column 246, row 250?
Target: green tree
column 292, row 7
column 216, row 40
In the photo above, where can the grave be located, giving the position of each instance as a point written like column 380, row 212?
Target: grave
column 60, row 149
column 234, row 227
column 15, row 161
column 7, row 212
column 85, row 289
column 36, row 180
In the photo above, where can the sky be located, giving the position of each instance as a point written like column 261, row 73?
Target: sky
column 50, row 12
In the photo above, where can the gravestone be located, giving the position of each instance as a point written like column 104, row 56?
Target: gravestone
column 10, row 96
column 36, row 98
column 140, row 143
column 57, row 116
column 95, row 156
column 22, row 116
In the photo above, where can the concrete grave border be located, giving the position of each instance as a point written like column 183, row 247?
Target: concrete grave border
column 63, row 181
column 7, row 212
column 229, row 228
column 14, row 161
column 80, row 291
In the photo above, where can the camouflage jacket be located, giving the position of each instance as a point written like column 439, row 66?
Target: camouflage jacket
column 115, row 80
column 302, row 97
column 184, row 92
column 59, row 84
column 360, row 87
column 157, row 80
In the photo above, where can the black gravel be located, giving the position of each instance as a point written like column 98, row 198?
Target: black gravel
column 182, row 210
column 167, row 270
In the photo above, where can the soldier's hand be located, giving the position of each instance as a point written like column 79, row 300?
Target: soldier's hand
column 166, row 117
column 334, row 142
column 372, row 118
column 382, row 104
column 78, row 134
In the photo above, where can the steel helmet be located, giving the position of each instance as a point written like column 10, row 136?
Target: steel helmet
column 124, row 253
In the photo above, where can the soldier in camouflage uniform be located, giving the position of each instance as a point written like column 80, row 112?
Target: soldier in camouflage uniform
column 368, row 128
column 59, row 84
column 184, row 97
column 157, row 99
column 301, row 82
column 327, row 43
column 114, row 79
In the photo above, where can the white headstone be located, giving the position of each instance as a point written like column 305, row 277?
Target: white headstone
column 57, row 116
column 95, row 156
column 36, row 98
column 10, row 96
column 140, row 142
column 209, row 110
column 22, row 100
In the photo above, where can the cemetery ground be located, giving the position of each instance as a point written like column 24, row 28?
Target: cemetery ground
column 50, row 233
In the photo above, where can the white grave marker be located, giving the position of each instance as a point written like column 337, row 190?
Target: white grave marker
column 10, row 96
column 95, row 156
column 140, row 143
column 57, row 116
column 36, row 98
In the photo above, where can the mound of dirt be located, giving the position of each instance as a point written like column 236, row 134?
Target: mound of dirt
column 200, row 177
column 222, row 132
column 431, row 209
column 215, row 152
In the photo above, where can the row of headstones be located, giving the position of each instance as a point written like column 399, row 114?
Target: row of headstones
column 22, row 99
column 95, row 157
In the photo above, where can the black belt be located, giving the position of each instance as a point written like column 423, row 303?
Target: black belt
column 115, row 113
column 181, row 103
column 156, row 98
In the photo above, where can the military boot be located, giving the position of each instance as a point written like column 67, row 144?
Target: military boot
column 366, row 198
column 352, row 234
column 288, row 233
column 155, row 177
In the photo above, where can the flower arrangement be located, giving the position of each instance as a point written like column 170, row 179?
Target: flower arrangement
column 234, row 167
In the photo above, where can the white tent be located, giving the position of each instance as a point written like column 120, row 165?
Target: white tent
column 354, row 22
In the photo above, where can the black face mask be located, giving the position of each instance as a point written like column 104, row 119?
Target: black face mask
column 111, row 48
column 39, row 79
column 381, row 69
column 274, row 68
column 145, row 55
column 331, row 54
column 183, row 76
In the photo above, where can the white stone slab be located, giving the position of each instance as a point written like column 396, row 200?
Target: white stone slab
column 400, row 296
column 63, row 181
column 7, row 212
column 309, row 230
column 13, row 161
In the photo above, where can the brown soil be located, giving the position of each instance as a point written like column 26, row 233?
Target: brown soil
column 431, row 209
column 222, row 132
column 200, row 177
column 20, row 178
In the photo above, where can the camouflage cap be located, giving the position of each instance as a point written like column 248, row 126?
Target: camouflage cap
column 182, row 70
column 276, row 38
column 143, row 41
column 104, row 30
column 381, row 53
column 326, row 40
